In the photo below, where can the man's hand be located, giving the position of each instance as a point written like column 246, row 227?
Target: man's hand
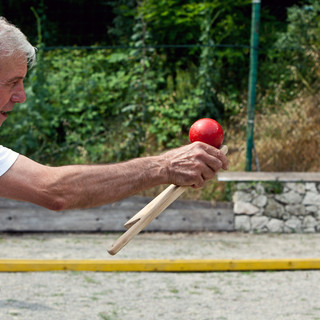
column 193, row 164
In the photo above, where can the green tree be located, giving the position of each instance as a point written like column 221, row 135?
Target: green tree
column 291, row 65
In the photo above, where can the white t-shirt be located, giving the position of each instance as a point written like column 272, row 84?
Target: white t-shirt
column 7, row 159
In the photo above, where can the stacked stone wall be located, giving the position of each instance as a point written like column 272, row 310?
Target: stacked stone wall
column 276, row 207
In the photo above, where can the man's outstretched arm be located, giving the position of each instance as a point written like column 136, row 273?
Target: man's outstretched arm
column 83, row 186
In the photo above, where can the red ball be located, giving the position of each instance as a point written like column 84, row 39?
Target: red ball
column 208, row 131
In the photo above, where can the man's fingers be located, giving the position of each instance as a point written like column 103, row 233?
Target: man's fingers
column 213, row 161
column 214, row 158
column 217, row 154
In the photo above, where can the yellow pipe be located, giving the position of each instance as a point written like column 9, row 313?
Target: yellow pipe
column 7, row 265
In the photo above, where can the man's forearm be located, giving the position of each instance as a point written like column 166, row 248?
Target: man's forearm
column 80, row 186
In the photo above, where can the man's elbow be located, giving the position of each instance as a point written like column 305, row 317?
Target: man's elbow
column 57, row 204
column 55, row 197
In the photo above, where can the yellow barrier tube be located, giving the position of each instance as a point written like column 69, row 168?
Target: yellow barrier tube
column 208, row 265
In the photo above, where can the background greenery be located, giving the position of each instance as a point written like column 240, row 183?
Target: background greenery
column 121, row 79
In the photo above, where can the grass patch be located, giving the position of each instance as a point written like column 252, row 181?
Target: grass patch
column 216, row 290
column 174, row 291
column 106, row 316
column 90, row 280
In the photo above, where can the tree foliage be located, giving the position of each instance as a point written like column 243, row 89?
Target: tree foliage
column 178, row 61
column 291, row 65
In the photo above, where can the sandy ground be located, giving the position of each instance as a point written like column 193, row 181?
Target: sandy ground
column 166, row 296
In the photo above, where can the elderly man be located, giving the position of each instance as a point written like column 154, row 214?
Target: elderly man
column 82, row 186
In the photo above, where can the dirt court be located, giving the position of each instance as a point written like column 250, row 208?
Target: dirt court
column 166, row 296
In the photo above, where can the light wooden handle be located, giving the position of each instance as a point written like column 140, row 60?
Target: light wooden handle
column 161, row 202
column 146, row 215
column 149, row 213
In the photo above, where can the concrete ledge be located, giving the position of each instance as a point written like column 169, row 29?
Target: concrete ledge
column 270, row 176
column 182, row 215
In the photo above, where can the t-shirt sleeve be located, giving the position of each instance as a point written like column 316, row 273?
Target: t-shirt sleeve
column 7, row 159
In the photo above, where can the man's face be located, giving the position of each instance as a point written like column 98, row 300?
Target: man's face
column 12, row 73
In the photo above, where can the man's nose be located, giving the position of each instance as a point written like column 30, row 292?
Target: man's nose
column 19, row 95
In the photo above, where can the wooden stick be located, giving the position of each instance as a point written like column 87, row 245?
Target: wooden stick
column 146, row 215
column 161, row 202
column 149, row 213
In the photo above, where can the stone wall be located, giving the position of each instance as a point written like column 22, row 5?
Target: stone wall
column 277, row 207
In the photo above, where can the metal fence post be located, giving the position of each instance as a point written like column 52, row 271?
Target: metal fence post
column 254, row 42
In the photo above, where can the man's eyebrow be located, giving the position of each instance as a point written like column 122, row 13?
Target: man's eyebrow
column 14, row 79
column 7, row 81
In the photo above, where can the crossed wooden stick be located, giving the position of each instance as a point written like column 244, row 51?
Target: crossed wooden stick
column 153, row 209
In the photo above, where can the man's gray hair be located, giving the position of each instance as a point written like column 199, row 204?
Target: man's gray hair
column 14, row 43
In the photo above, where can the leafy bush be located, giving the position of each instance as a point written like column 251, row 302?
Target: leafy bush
column 292, row 63
column 97, row 105
column 72, row 98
